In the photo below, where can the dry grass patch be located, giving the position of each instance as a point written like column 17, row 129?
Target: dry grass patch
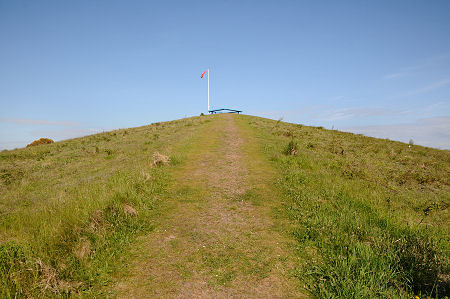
column 160, row 159
column 83, row 249
column 97, row 222
column 129, row 210
column 146, row 176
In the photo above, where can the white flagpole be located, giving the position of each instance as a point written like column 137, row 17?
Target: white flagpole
column 208, row 89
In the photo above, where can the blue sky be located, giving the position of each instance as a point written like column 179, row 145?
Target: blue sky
column 69, row 69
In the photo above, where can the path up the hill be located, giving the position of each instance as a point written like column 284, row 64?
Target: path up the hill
column 219, row 239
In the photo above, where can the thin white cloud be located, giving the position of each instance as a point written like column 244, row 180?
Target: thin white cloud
column 337, row 98
column 62, row 134
column 346, row 113
column 27, row 121
column 397, row 75
column 432, row 132
column 429, row 87
column 330, row 113
column 276, row 114
column 408, row 71
column 32, row 129
column 439, row 57
column 437, row 107
column 55, row 134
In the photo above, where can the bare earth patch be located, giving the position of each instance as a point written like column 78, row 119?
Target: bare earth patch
column 215, row 243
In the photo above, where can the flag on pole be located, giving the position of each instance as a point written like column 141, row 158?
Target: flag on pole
column 201, row 76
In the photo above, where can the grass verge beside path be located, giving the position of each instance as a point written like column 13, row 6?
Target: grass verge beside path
column 370, row 216
column 70, row 209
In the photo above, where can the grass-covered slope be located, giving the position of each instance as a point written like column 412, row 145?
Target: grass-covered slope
column 370, row 215
column 68, row 209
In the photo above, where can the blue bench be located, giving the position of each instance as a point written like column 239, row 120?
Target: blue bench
column 224, row 110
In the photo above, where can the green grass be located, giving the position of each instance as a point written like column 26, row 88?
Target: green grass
column 65, row 207
column 370, row 216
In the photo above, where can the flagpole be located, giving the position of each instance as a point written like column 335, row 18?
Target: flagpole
column 208, row 89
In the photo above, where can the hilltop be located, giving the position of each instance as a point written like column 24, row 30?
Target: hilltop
column 243, row 206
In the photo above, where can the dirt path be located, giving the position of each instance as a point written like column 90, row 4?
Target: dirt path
column 220, row 240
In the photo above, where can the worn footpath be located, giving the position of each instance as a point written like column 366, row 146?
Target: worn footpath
column 220, row 238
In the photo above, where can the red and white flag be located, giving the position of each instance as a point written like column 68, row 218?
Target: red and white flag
column 201, row 76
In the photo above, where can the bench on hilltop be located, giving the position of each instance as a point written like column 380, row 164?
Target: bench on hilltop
column 224, row 110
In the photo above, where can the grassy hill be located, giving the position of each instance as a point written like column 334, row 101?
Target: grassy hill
column 359, row 217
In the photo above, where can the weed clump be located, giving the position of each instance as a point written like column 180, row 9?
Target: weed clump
column 291, row 149
column 40, row 141
column 49, row 277
column 129, row 210
column 146, row 176
column 97, row 221
column 83, row 249
column 160, row 159
column 277, row 123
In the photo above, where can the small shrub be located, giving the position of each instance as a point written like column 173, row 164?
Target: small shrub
column 40, row 141
column 201, row 114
